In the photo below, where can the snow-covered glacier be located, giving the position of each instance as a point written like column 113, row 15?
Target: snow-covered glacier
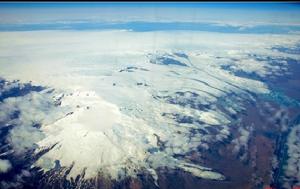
column 117, row 104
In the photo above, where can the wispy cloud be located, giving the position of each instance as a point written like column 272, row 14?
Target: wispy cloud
column 293, row 163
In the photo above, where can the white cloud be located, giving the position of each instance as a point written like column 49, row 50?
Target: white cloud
column 24, row 138
column 5, row 165
column 35, row 108
column 242, row 141
column 291, row 170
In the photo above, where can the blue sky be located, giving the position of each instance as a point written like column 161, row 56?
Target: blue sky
column 236, row 5
column 242, row 14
